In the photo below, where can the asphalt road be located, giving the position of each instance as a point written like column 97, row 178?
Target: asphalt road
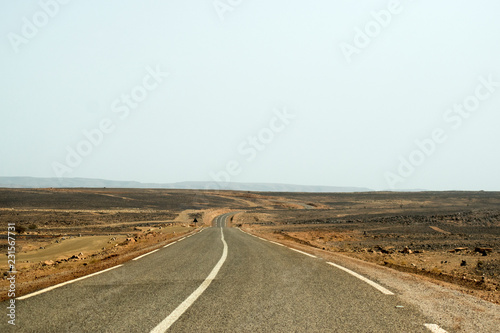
column 218, row 280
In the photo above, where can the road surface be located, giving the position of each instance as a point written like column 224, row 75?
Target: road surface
column 218, row 280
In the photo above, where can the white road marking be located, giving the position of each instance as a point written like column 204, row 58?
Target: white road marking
column 183, row 238
column 435, row 328
column 277, row 243
column 177, row 313
column 170, row 244
column 362, row 278
column 139, row 257
column 65, row 283
column 307, row 254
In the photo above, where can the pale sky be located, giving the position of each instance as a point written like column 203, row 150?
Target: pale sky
column 315, row 93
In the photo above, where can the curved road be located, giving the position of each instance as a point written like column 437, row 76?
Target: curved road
column 218, row 280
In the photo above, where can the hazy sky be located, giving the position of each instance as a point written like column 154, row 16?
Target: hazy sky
column 379, row 94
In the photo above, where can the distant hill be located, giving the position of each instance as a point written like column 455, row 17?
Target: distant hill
column 34, row 182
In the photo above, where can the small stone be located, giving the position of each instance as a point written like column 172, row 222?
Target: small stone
column 407, row 250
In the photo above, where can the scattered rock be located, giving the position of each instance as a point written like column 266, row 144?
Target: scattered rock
column 461, row 249
column 130, row 240
column 385, row 250
column 484, row 251
column 463, row 263
column 389, row 249
column 48, row 263
column 407, row 250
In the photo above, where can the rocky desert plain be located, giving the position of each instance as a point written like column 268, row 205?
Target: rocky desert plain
column 449, row 238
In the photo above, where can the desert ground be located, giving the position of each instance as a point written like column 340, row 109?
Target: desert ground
column 450, row 238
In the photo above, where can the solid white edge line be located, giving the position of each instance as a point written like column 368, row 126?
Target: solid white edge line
column 307, row 254
column 435, row 328
column 139, row 257
column 362, row 278
column 65, row 283
column 179, row 311
column 277, row 243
